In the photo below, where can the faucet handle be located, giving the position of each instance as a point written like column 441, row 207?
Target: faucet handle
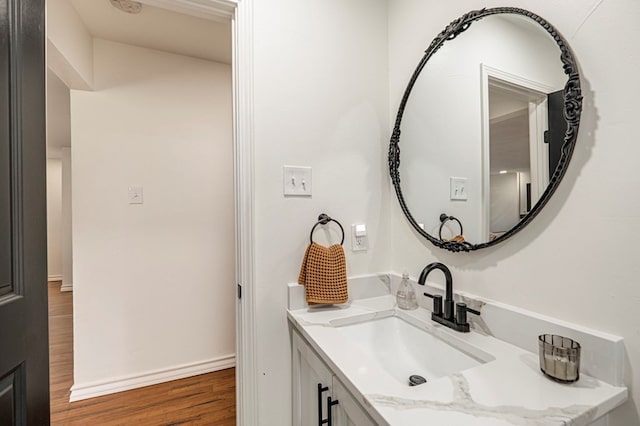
column 437, row 303
column 461, row 313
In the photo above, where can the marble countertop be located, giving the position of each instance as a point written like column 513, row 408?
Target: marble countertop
column 508, row 390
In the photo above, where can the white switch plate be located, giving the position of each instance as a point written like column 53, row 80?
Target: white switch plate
column 296, row 181
column 358, row 243
column 135, row 194
column 458, row 188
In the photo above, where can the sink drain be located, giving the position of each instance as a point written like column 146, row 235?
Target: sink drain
column 416, row 380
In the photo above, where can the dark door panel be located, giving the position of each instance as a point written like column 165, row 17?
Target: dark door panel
column 557, row 129
column 24, row 351
column 11, row 389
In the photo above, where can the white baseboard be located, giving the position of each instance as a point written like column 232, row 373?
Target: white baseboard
column 91, row 390
column 66, row 286
column 54, row 278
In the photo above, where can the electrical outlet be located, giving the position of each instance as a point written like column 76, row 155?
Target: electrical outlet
column 296, row 181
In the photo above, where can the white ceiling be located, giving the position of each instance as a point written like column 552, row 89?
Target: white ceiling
column 153, row 28
column 502, row 102
column 159, row 29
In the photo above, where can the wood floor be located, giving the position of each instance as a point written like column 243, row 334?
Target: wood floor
column 208, row 399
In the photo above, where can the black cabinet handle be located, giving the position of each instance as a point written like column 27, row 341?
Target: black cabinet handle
column 321, row 390
column 330, row 403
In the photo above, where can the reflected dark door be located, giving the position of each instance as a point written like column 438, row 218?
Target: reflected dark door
column 557, row 129
column 24, row 351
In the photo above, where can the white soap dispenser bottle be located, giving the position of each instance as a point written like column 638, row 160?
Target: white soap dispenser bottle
column 406, row 296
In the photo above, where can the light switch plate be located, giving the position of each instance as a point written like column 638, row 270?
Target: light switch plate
column 458, row 188
column 296, row 181
column 135, row 194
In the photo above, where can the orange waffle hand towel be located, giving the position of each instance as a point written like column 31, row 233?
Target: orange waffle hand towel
column 324, row 274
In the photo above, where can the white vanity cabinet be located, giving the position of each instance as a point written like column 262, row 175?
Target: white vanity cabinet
column 319, row 398
column 326, row 350
column 348, row 412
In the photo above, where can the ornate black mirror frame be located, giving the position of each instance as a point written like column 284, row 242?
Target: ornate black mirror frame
column 572, row 109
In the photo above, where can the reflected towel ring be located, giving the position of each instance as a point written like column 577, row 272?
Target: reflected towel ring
column 323, row 219
column 444, row 219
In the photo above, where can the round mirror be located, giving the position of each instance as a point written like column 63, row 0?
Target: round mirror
column 485, row 129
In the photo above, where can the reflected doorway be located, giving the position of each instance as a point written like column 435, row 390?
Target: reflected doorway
column 518, row 164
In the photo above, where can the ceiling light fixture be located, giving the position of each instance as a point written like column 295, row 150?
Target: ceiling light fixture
column 502, row 172
column 127, row 6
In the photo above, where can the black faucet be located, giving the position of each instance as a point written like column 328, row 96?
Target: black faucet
column 457, row 321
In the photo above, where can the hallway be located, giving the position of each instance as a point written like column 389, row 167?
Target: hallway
column 208, row 399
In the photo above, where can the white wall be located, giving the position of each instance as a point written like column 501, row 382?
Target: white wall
column 577, row 260
column 154, row 283
column 505, row 201
column 59, row 181
column 54, row 218
column 67, row 224
column 58, row 115
column 321, row 101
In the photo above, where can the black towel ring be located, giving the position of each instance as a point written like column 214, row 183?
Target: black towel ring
column 444, row 219
column 323, row 219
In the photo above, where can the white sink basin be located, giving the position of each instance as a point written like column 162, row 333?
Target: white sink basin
column 402, row 349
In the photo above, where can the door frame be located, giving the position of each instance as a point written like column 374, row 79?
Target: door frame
column 240, row 13
column 536, row 94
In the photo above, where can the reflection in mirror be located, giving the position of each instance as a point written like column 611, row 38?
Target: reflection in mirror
column 519, row 119
column 509, row 160
column 477, row 136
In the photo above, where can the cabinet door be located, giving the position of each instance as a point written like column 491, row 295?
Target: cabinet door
column 348, row 412
column 309, row 402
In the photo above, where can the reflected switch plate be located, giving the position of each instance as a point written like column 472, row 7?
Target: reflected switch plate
column 458, row 188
